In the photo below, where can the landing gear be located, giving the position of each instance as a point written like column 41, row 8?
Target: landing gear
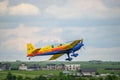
column 74, row 54
column 29, row 58
column 69, row 58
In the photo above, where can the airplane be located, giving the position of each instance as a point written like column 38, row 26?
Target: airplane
column 56, row 51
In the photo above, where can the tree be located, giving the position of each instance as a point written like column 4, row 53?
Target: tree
column 55, row 79
column 97, row 73
column 19, row 78
column 50, row 79
column 111, row 77
column 36, row 78
column 69, row 77
column 9, row 76
column 27, row 78
column 92, row 78
column 100, row 78
column 42, row 78
column 61, row 74
column 13, row 77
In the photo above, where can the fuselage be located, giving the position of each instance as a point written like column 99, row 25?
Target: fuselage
column 60, row 49
column 48, row 50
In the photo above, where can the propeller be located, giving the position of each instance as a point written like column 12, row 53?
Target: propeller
column 84, row 48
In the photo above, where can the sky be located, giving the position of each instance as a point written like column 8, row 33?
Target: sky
column 47, row 22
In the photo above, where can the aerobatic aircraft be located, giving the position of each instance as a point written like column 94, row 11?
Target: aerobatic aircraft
column 56, row 51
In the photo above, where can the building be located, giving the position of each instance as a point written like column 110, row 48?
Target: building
column 6, row 66
column 60, row 67
column 63, row 67
column 44, row 68
column 55, row 67
column 72, row 66
column 23, row 66
column 34, row 67
column 51, row 66
column 88, row 71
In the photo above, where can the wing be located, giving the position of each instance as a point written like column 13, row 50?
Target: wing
column 72, row 44
column 55, row 56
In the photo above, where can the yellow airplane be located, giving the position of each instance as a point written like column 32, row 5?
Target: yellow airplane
column 56, row 51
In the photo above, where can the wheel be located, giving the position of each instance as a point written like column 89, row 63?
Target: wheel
column 29, row 58
column 74, row 54
column 69, row 59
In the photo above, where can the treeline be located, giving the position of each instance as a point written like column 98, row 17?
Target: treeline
column 61, row 76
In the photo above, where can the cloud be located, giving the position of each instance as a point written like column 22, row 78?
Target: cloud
column 41, row 36
column 3, row 7
column 20, row 9
column 82, row 9
column 17, row 38
column 24, row 9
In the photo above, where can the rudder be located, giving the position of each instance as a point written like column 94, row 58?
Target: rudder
column 30, row 48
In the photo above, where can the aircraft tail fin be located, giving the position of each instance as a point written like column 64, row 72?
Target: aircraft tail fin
column 30, row 48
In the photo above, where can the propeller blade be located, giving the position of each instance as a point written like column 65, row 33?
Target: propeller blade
column 84, row 48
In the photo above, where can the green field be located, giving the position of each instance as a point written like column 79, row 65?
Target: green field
column 30, row 73
column 100, row 68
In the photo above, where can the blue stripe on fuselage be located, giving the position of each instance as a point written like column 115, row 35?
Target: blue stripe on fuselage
column 50, row 53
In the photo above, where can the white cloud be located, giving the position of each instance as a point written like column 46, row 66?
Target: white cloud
column 3, row 7
column 82, row 8
column 20, row 31
column 20, row 9
column 24, row 9
column 17, row 38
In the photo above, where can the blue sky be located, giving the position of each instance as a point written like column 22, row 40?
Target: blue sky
column 46, row 22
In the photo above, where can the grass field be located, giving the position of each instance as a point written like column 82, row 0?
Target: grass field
column 100, row 68
column 30, row 73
